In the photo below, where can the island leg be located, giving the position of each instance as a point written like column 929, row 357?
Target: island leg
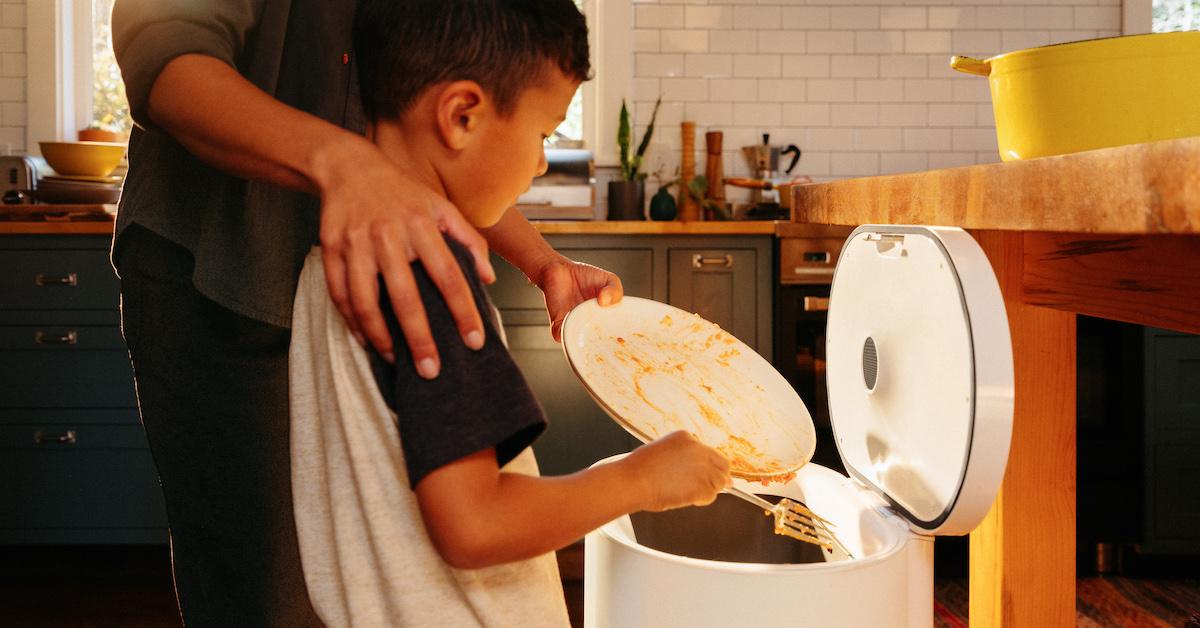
column 1022, row 570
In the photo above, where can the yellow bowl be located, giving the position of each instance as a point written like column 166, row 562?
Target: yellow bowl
column 96, row 159
column 1092, row 94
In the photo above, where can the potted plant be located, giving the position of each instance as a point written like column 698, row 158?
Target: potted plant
column 627, row 195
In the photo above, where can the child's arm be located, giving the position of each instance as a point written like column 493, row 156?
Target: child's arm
column 478, row 516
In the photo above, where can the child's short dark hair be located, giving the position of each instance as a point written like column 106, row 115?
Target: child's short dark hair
column 403, row 47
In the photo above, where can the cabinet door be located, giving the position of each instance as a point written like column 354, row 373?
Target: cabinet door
column 580, row 433
column 1172, row 391
column 720, row 285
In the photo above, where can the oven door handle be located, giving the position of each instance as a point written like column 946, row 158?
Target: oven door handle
column 816, row 304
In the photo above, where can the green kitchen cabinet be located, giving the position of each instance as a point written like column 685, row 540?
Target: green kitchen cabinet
column 736, row 296
column 1172, row 440
column 74, row 463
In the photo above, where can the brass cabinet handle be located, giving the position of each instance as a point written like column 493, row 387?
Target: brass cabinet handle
column 700, row 261
column 69, row 338
column 62, row 438
column 816, row 304
column 69, row 280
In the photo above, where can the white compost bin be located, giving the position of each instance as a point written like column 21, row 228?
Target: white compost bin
column 920, row 397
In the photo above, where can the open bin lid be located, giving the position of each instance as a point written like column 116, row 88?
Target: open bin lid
column 919, row 371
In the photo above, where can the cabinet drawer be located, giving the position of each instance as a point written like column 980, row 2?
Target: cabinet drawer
column 808, row 260
column 104, row 479
column 69, row 416
column 65, row 367
column 62, row 279
column 634, row 266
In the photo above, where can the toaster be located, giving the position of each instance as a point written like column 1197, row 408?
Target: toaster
column 18, row 178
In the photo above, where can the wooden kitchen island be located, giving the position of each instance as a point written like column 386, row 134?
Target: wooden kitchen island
column 1112, row 233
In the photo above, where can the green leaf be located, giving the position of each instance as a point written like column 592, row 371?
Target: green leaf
column 649, row 129
column 623, row 141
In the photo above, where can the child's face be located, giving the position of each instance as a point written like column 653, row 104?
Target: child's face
column 506, row 152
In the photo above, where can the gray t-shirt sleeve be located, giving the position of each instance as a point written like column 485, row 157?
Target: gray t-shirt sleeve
column 148, row 34
column 479, row 400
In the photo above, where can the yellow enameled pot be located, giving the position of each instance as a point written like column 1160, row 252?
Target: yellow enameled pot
column 1092, row 94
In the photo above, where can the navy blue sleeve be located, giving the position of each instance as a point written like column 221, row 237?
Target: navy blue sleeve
column 479, row 400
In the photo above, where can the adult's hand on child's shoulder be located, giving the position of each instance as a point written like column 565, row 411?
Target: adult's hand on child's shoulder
column 567, row 283
column 376, row 220
column 678, row 470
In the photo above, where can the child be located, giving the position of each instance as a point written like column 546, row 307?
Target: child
column 418, row 502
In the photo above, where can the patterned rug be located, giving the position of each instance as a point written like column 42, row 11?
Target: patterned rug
column 1100, row 603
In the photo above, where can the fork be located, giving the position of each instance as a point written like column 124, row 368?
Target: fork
column 795, row 520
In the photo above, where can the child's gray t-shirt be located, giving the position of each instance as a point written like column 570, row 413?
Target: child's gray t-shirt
column 364, row 432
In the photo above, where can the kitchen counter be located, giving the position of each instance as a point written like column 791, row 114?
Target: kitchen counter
column 1113, row 233
column 631, row 227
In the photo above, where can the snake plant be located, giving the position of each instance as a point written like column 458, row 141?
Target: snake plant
column 632, row 163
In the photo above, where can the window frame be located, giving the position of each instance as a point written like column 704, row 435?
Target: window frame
column 59, row 45
column 1137, row 17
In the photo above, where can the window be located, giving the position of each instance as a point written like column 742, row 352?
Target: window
column 110, row 109
column 1175, row 15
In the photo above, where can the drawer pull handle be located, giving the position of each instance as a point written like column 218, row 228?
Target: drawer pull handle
column 700, row 261
column 45, row 281
column 62, row 438
column 69, row 338
column 816, row 304
column 817, row 257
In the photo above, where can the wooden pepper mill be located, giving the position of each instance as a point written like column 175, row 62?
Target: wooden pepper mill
column 689, row 209
column 714, row 169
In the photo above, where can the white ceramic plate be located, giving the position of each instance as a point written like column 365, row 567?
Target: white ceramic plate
column 657, row 369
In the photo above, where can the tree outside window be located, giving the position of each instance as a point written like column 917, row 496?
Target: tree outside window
column 1176, row 15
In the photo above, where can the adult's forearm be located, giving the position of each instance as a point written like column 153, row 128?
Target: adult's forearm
column 231, row 124
column 517, row 241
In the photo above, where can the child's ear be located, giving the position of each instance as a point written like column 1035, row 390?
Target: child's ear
column 460, row 106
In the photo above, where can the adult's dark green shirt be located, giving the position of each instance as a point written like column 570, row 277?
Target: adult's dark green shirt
column 248, row 238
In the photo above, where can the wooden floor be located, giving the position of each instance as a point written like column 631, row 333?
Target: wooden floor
column 130, row 587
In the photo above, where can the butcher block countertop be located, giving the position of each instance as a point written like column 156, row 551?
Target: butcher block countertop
column 1113, row 233
column 1140, row 189
column 598, row 227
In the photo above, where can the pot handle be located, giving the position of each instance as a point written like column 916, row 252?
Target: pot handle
column 971, row 65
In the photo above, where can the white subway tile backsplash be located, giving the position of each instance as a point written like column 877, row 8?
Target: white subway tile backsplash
column 952, row 18
column 902, row 66
column 896, row 163
column 658, row 16
column 709, row 114
column 831, row 41
column 734, row 41
column 806, row 18
column 927, row 139
column 757, row 17
column 685, row 89
column 880, row 139
column 756, row 66
column 712, row 17
column 903, row 18
column 645, row 40
column 782, row 90
column 862, row 86
column 709, row 65
column 831, row 90
column 12, row 64
column 956, row 114
column 781, row 41
column 879, row 90
column 684, row 41
column 855, row 115
column 653, row 64
column 860, row 18
column 13, row 16
column 807, row 115
column 879, row 41
column 926, row 42
column 806, row 66
column 735, row 90
column 903, row 115
column 12, row 40
column 757, row 114
column 1097, row 17
column 855, row 66
column 12, row 114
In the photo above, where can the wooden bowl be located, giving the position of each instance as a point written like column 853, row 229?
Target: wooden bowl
column 95, row 159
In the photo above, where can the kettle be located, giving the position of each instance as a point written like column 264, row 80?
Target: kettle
column 764, row 158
